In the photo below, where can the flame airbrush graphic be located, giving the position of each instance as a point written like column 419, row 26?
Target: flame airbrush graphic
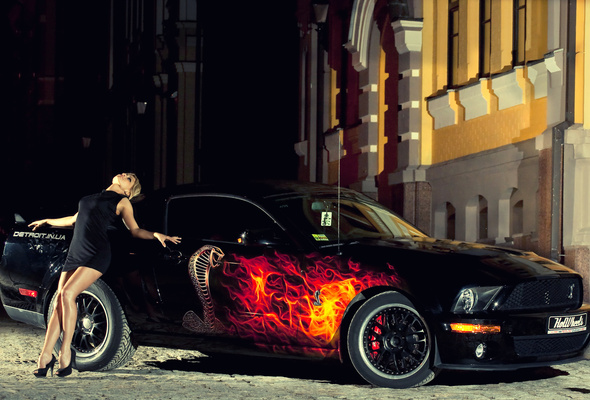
column 278, row 301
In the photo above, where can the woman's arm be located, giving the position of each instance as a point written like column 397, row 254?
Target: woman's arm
column 64, row 221
column 125, row 209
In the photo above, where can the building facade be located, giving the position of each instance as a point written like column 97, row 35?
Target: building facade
column 180, row 91
column 467, row 117
column 360, row 98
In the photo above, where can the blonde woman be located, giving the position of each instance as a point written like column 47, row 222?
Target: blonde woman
column 88, row 258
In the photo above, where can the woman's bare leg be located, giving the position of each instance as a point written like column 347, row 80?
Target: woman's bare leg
column 80, row 280
column 54, row 326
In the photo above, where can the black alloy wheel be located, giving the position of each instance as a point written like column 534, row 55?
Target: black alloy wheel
column 92, row 325
column 389, row 343
column 102, row 339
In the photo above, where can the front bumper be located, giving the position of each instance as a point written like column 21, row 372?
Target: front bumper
column 523, row 341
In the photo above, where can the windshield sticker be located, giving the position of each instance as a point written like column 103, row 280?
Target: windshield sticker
column 327, row 218
column 320, row 237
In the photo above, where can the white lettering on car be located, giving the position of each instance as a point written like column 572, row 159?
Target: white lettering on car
column 39, row 235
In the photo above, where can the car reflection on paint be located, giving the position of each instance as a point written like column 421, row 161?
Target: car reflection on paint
column 295, row 269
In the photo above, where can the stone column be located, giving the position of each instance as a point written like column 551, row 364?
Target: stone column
column 576, row 201
column 185, row 130
column 186, row 68
column 409, row 179
column 160, row 131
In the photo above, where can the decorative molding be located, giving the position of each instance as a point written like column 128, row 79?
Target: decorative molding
column 408, row 35
column 507, row 89
column 538, row 75
column 554, row 62
column 368, row 134
column 408, row 123
column 359, row 33
column 473, row 100
column 408, row 175
column 440, row 109
column 369, row 103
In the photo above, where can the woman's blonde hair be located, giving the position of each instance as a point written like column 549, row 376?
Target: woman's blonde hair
column 136, row 188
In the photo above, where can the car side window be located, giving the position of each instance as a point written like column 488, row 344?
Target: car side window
column 215, row 218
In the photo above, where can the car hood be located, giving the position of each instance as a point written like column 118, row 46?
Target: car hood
column 453, row 261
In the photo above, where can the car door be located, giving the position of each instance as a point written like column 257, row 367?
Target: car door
column 235, row 273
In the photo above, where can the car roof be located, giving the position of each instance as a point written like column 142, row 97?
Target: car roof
column 257, row 190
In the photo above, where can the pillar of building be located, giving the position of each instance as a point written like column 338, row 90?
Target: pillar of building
column 409, row 180
column 576, row 201
column 185, row 129
column 160, row 131
column 186, row 69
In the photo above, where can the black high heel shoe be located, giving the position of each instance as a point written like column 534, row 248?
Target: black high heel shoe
column 63, row 372
column 42, row 372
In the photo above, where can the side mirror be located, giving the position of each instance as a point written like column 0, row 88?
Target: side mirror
column 173, row 256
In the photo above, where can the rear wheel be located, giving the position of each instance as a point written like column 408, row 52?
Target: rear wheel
column 389, row 343
column 102, row 339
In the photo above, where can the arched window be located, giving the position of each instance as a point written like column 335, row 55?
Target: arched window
column 483, row 218
column 517, row 218
column 450, row 234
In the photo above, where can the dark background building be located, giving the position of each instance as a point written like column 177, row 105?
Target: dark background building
column 179, row 91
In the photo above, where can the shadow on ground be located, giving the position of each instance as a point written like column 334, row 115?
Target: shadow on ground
column 336, row 373
column 330, row 371
column 459, row 378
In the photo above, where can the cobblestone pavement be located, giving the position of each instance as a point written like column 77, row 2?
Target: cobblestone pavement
column 171, row 374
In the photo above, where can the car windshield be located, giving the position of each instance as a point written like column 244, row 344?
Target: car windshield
column 326, row 220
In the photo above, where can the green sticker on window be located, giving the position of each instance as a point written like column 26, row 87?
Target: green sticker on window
column 320, row 237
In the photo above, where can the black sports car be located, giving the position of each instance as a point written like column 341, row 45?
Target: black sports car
column 309, row 270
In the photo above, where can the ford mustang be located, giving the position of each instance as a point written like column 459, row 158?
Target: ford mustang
column 304, row 270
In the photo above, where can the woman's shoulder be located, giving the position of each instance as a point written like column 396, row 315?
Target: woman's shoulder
column 124, row 204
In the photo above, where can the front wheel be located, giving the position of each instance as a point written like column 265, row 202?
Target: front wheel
column 389, row 343
column 102, row 339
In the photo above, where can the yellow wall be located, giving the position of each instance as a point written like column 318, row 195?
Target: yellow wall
column 536, row 29
column 497, row 128
column 501, row 58
column 489, row 131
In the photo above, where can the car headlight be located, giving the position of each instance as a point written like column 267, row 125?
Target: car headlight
column 474, row 299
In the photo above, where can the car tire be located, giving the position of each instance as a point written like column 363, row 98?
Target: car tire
column 389, row 343
column 102, row 340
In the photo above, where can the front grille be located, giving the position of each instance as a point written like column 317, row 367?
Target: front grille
column 545, row 294
column 548, row 346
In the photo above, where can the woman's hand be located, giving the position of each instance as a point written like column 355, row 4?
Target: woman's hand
column 63, row 221
column 163, row 238
column 37, row 224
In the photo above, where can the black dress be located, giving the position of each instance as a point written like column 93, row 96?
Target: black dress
column 90, row 245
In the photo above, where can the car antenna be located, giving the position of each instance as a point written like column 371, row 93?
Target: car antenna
column 338, row 189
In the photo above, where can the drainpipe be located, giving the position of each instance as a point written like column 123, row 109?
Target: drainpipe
column 558, row 138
